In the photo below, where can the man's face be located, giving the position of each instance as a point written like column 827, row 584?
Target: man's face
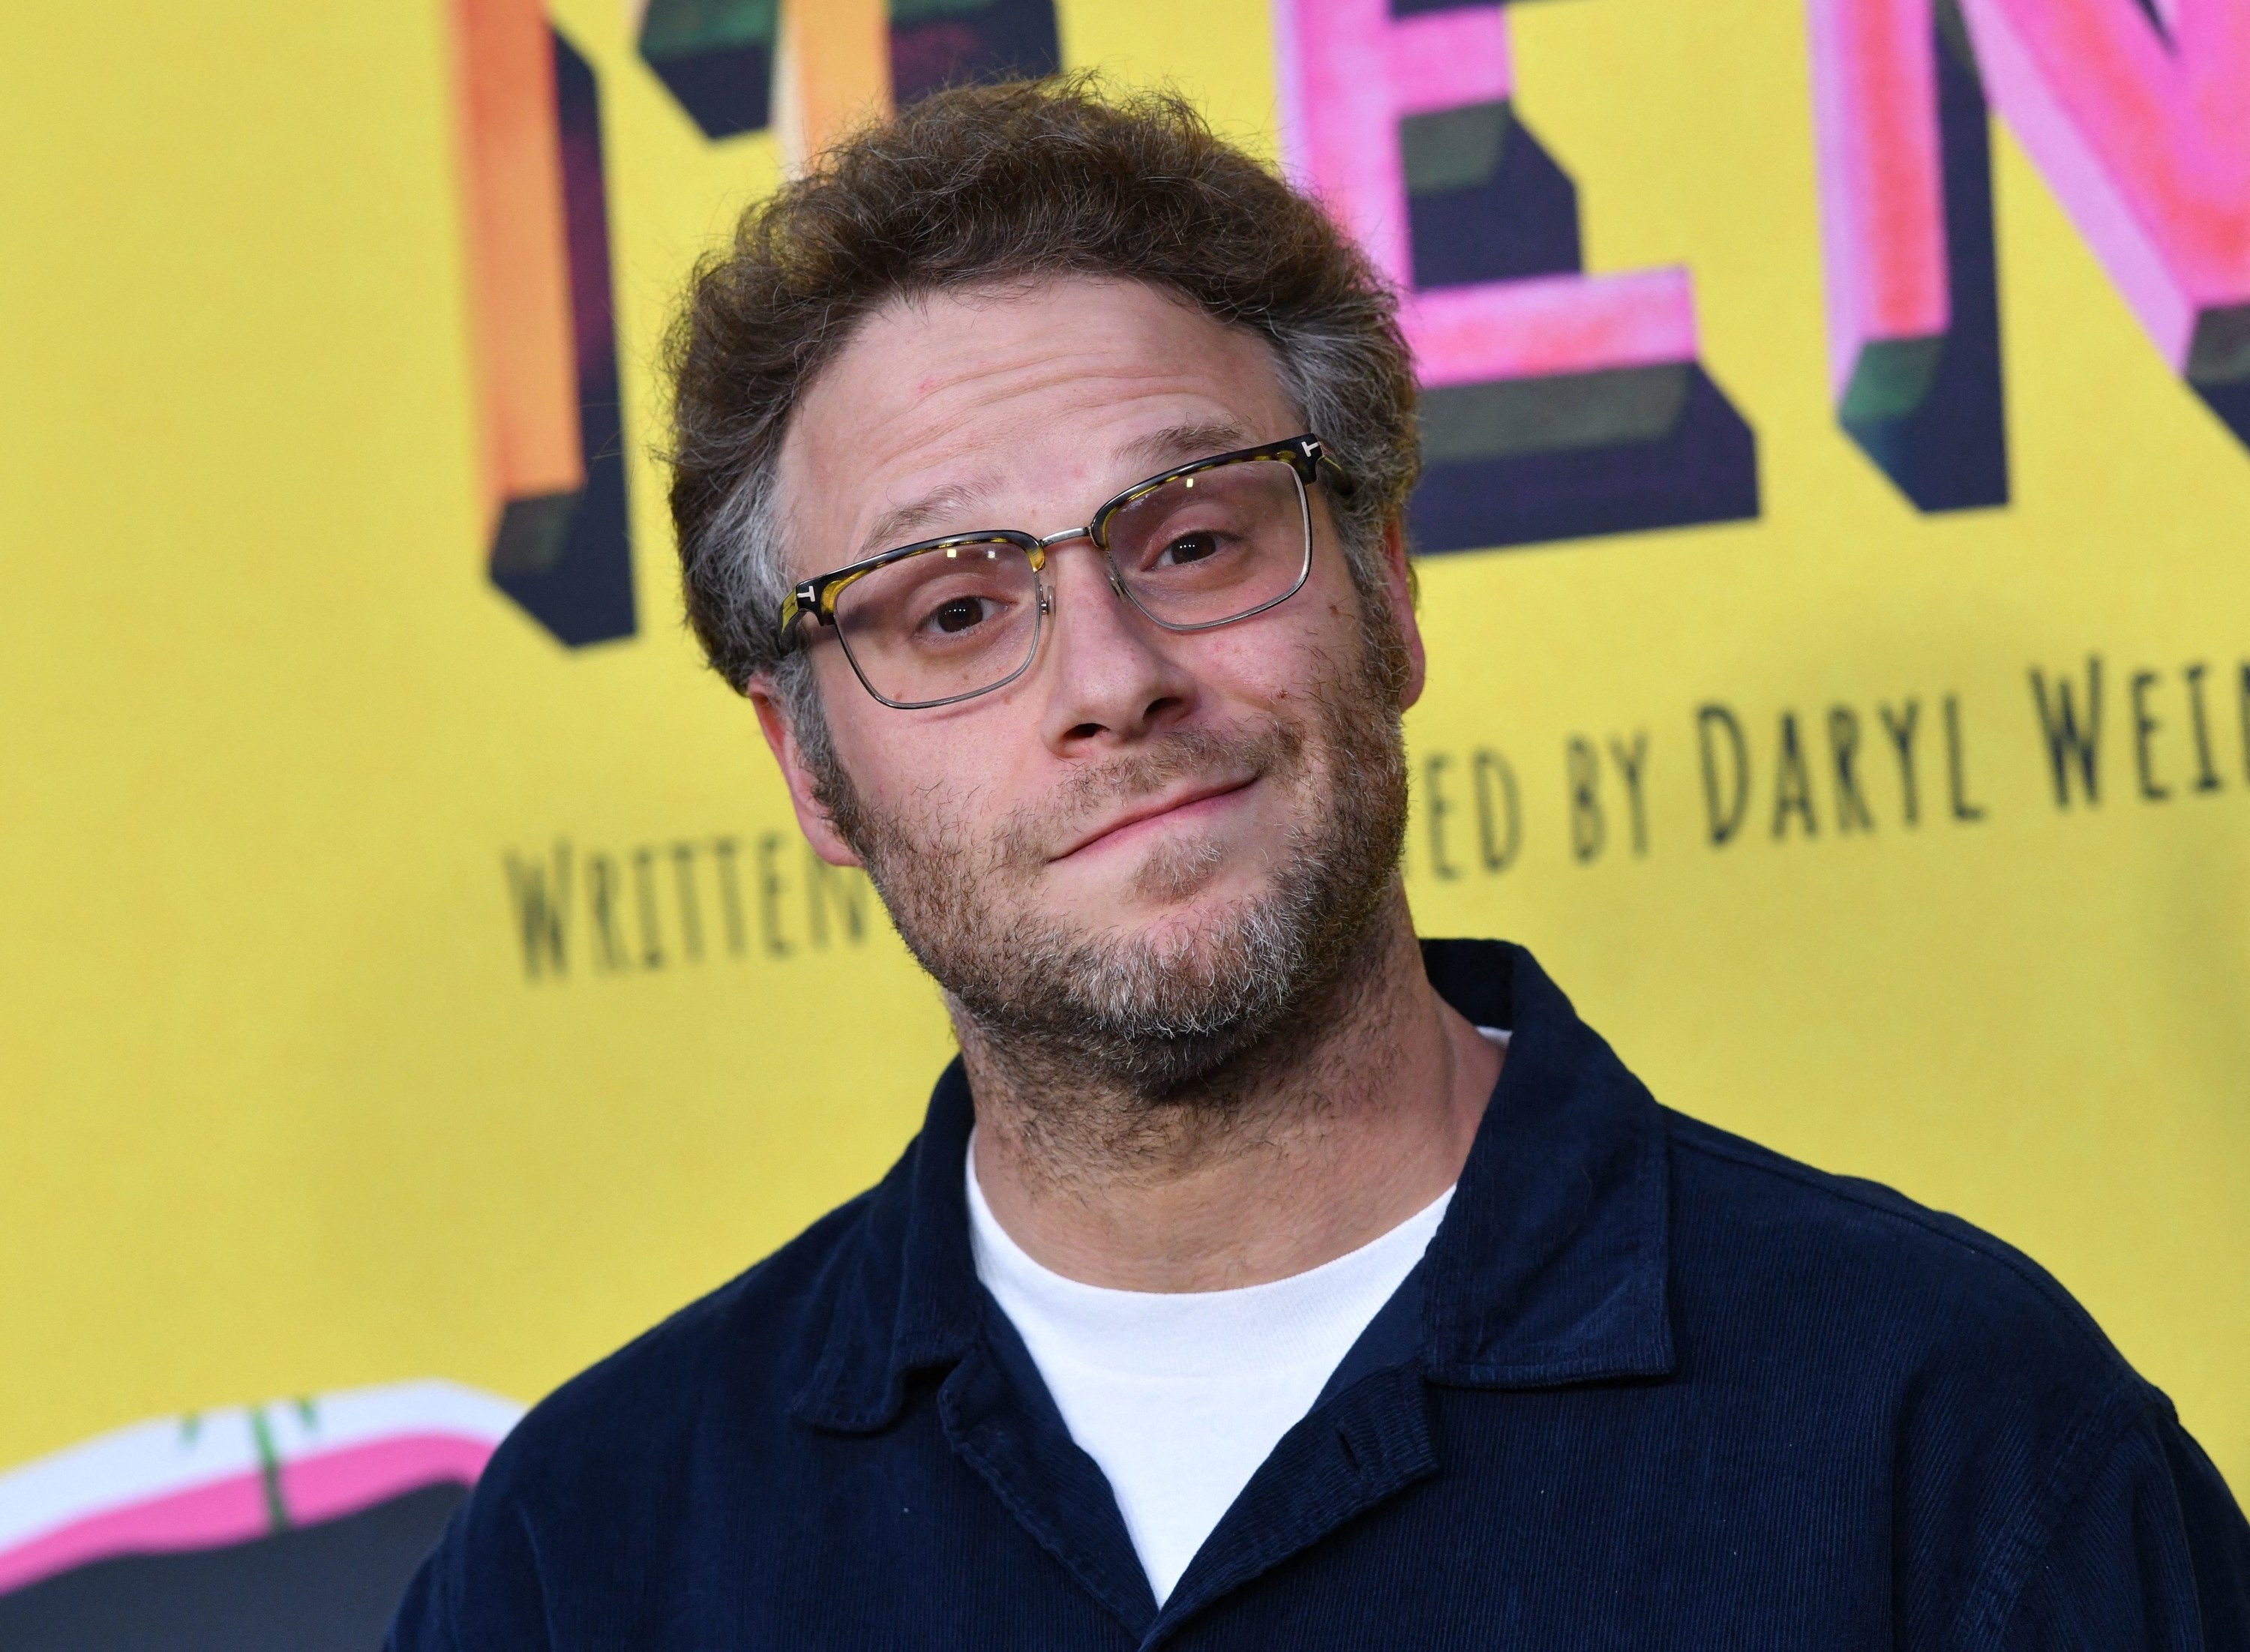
column 1149, row 836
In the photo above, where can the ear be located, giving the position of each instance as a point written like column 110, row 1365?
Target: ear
column 1398, row 577
column 812, row 815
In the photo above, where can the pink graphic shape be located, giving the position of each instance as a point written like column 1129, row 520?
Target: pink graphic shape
column 1551, row 324
column 205, row 1516
column 173, row 1484
column 1882, row 206
column 2145, row 142
column 234, row 1510
column 1348, row 74
column 334, row 1484
column 1443, row 59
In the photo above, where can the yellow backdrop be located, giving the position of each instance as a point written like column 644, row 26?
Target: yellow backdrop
column 281, row 1109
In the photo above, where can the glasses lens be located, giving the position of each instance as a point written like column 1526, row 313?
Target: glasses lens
column 1210, row 547
column 950, row 621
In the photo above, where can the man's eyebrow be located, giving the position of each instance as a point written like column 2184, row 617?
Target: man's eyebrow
column 946, row 507
column 1182, row 444
column 903, row 523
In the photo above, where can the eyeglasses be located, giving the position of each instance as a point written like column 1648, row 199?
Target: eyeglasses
column 1200, row 546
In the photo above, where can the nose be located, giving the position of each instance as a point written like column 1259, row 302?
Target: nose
column 1112, row 676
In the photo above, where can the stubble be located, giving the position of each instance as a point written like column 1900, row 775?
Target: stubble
column 1179, row 1015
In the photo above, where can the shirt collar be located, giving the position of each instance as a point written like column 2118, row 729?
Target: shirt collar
column 1548, row 1268
column 1551, row 1265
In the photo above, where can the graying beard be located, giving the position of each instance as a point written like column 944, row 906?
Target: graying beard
column 1160, row 1018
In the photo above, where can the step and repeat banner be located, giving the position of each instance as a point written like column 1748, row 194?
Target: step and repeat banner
column 1836, row 568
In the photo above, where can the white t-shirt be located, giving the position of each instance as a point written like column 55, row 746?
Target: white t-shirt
column 1180, row 1396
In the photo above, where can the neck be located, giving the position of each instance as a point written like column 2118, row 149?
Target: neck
column 1311, row 1144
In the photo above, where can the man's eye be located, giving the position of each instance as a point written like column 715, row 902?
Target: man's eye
column 1189, row 547
column 959, row 614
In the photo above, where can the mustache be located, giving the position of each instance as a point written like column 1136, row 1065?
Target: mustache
column 1031, row 832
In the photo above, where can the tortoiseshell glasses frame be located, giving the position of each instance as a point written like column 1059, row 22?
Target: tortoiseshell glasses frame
column 983, row 601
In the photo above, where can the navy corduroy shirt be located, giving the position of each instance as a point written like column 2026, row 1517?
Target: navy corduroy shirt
column 1652, row 1386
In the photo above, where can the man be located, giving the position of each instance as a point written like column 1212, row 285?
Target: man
column 1262, row 1276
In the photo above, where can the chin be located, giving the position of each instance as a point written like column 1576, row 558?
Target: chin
column 1177, row 923
column 1174, row 885
column 1201, row 868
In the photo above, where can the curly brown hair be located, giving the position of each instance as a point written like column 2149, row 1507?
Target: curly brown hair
column 992, row 183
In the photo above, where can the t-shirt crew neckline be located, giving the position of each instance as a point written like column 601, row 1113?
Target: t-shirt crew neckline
column 1179, row 1396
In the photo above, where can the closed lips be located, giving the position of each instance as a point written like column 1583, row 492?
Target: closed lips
column 1166, row 803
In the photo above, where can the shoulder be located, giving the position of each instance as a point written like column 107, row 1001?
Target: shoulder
column 1919, row 1348
column 1902, row 1347
column 741, row 1351
column 1899, row 1276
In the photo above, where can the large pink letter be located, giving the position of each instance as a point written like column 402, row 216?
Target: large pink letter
column 2147, row 143
column 2141, row 128
column 1906, row 219
column 1525, row 379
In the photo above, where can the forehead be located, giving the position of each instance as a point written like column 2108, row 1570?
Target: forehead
column 1015, row 404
